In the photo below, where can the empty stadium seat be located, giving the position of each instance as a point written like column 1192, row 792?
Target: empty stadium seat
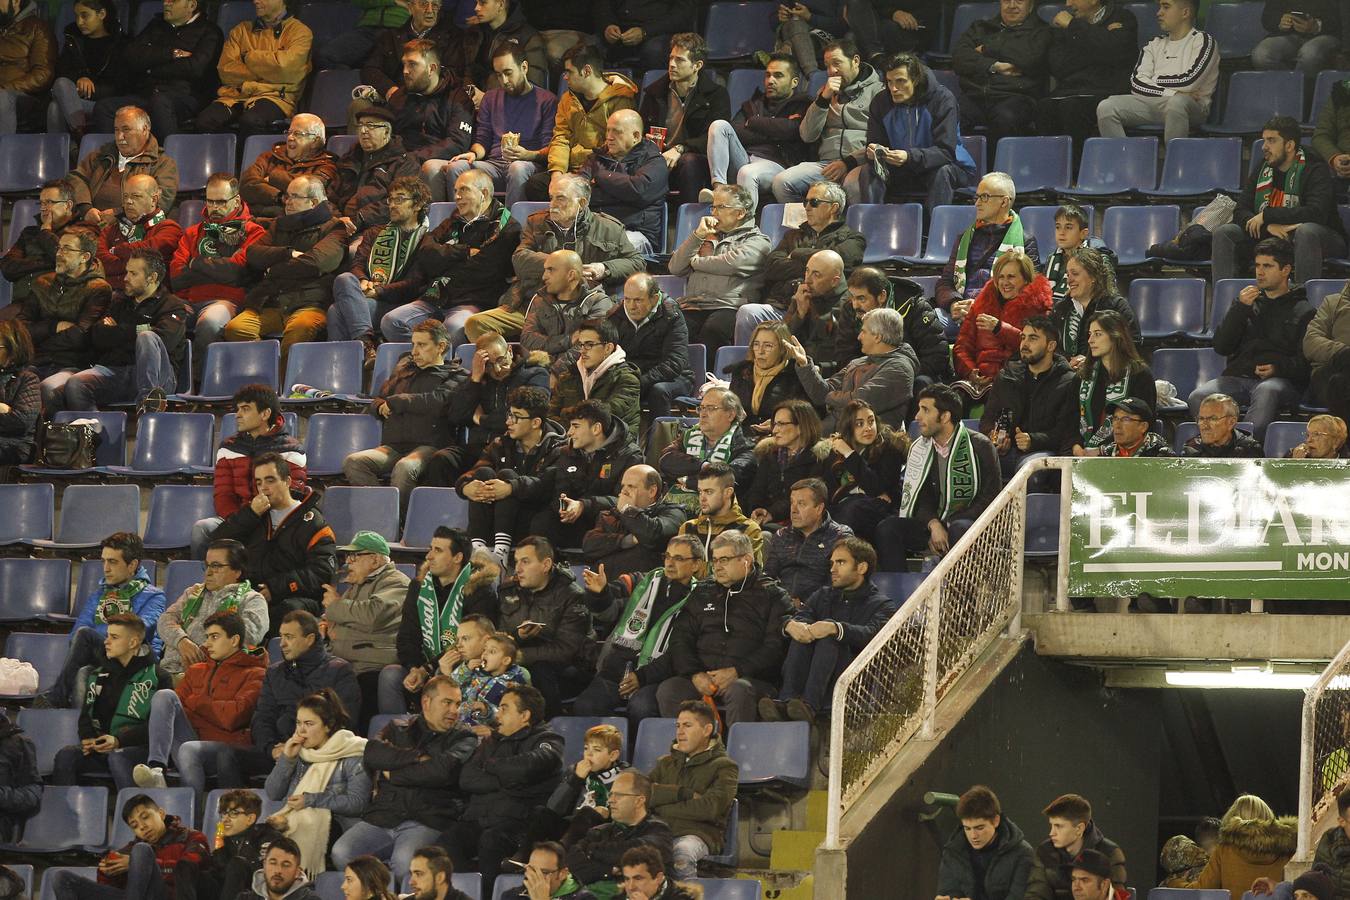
column 892, row 230
column 963, row 16
column 523, row 209
column 1167, row 307
column 573, row 732
column 728, row 888
column 173, row 509
column 22, row 214
column 1281, row 437
column 1253, row 97
column 199, row 156
column 439, row 211
column 255, row 145
column 332, row 437
column 1225, row 292
column 898, row 586
column 28, row 160
column 176, row 801
column 386, row 357
column 328, row 365
column 181, row 574
column 654, row 737
column 944, row 229
column 331, row 95
column 1036, row 163
column 91, row 512
column 352, row 509
column 46, row 653
column 69, row 817
column 1237, row 28
column 731, row 846
column 771, row 752
column 232, row 364
column 29, row 513
column 504, row 884
column 1319, row 289
column 741, row 86
column 1112, row 166
column 975, row 145
column 1322, row 92
column 726, row 358
column 686, row 220
column 1198, row 166
column 771, row 221
column 1042, row 536
column 33, row 589
column 45, row 892
column 736, row 30
column 1186, row 367
column 1131, row 230
column 429, row 508
column 170, row 443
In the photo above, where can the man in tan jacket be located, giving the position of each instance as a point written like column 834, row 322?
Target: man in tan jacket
column 263, row 67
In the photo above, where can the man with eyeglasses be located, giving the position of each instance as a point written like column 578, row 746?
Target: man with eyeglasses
column 728, row 642
column 547, row 876
column 99, row 179
column 263, row 67
column 564, row 300
column 34, row 253
column 594, row 859
column 601, row 374
column 630, row 537
column 223, row 588
column 366, row 172
column 244, row 837
column 303, row 152
column 717, row 438
column 652, row 332
column 1219, row 436
column 1131, row 419
column 209, row 268
column 633, row 661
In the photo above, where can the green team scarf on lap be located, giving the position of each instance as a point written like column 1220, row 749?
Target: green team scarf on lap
column 116, row 599
column 636, row 630
column 960, row 486
column 440, row 625
column 1098, row 433
column 1012, row 237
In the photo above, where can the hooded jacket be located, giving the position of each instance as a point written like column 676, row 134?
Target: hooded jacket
column 505, row 452
column 98, row 59
column 632, row 189
column 151, row 65
column 291, row 680
column 97, row 182
column 297, row 282
column 1269, row 332
column 928, row 126
column 232, row 484
column 1044, row 406
column 986, row 352
column 18, row 428
column 706, row 527
column 549, row 322
column 693, row 793
column 362, row 190
column 801, row 563
column 263, row 184
column 418, row 772
column 658, row 345
column 595, row 236
column 162, row 313
column 252, row 608
column 297, row 558
column 117, row 696
column 739, row 627
column 988, row 41
column 211, row 260
column 259, row 62
column 148, row 604
column 776, row 472
column 579, row 128
column 839, row 126
column 363, row 623
column 784, row 386
column 508, row 776
column 772, row 130
column 419, row 403
column 706, row 102
column 1007, row 865
column 54, row 299
column 527, row 370
column 220, row 697
column 560, row 607
column 1248, row 849
column 885, row 380
column 115, row 245
column 730, row 276
column 27, row 53
column 1049, row 875
column 857, row 615
column 300, row 890
column 437, row 125
column 179, row 845
column 618, row 387
column 468, row 262
column 1094, row 58
column 20, row 783
column 786, row 263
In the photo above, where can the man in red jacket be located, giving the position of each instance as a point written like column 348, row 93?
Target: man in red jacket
column 210, row 709
column 139, row 225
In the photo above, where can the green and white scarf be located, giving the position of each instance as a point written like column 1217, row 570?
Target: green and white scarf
column 1098, row 433
column 440, row 623
column 391, row 250
column 116, row 599
column 228, row 600
column 1012, row 237
column 957, row 490
column 135, row 231
column 1287, row 194
column 696, row 445
column 636, row 630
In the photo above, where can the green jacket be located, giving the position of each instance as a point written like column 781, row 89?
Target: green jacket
column 1049, row 879
column 1333, row 853
column 693, row 794
column 1331, row 136
column 1007, row 872
column 618, row 386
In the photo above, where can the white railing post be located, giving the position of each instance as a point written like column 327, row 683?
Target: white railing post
column 1065, row 520
column 933, row 624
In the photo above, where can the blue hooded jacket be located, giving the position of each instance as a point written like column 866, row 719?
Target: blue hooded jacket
column 928, row 126
column 149, row 604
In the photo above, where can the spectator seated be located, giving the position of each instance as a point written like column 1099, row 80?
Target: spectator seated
column 1090, row 280
column 629, row 180
column 655, row 339
column 244, row 837
column 601, row 373
column 719, row 511
column 631, row 537
column 1032, row 410
column 98, row 180
column 866, row 460
column 798, row 554
column 34, row 253
column 883, row 376
column 1072, row 834
column 594, row 858
column 263, row 184
column 254, row 95
column 1004, row 871
column 365, row 174
column 22, row 398
column 697, row 764
column 182, row 627
column 868, row 289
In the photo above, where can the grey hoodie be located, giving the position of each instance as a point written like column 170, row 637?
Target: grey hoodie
column 885, row 380
column 302, row 889
column 840, row 124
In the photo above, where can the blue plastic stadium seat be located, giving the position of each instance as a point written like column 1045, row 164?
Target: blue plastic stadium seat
column 181, row 574
column 341, row 144
column 464, row 354
column 1147, row 15
column 728, row 888
column 439, row 211
column 50, row 730
column 771, row 752
column 1253, row 97
column 91, row 512
column 898, row 586
column 28, row 160
column 654, row 737
column 736, row 30
column 176, row 801
column 1237, row 28
column 742, row 84
column 173, row 509
column 91, row 142
column 1042, row 538
column 731, row 848
column 329, row 365
column 91, row 572
column 944, row 229
column 189, row 213
column 523, row 209
column 1225, row 292
column 976, row 145
column 671, row 285
column 255, row 145
column 69, row 817
column 771, row 222
column 32, row 589
column 1167, row 307
column 686, row 220
column 1113, row 166
column 963, row 16
column 1322, row 92
column 429, row 508
column 892, row 230
column 199, row 156
column 334, row 436
column 1281, row 437
column 726, row 358
column 329, row 18
column 46, row 652
column 328, row 885
column 29, row 513
column 1036, row 163
column 573, row 731
column 171, row 443
column 386, row 357
column 1187, row 367
column 1131, row 230
column 352, row 509
column 1198, row 166
column 331, row 95
column 505, row 884
column 232, row 364
column 23, row 213
column 1319, row 289
column 698, row 363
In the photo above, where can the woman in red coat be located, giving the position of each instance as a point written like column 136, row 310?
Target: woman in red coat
column 992, row 330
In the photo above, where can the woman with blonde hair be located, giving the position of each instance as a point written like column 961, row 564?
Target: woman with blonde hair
column 992, row 331
column 766, row 377
column 1325, row 440
column 1253, row 844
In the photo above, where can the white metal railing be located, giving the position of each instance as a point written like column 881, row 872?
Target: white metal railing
column 889, row 693
column 1324, row 754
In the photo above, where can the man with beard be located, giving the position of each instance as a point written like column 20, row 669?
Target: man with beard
column 433, row 114
column 429, row 876
column 280, row 877
column 1033, row 407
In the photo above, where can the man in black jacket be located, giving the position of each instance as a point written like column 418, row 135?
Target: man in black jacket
column 20, row 783
column 728, row 641
column 679, row 107
column 1262, row 336
column 366, row 173
column 383, row 68
column 1290, row 196
column 655, row 338
column 1002, row 64
column 584, row 479
column 764, row 137
column 1093, row 44
column 243, row 838
column 508, row 775
column 1219, row 436
column 433, row 114
column 1033, row 409
column 416, row 765
column 413, row 405
column 545, row 612
column 868, row 289
column 640, row 30
column 34, row 253
column 594, row 859
column 632, row 536
column 170, row 69
column 629, row 180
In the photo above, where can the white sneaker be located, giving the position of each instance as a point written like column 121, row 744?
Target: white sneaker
column 705, row 195
column 146, row 777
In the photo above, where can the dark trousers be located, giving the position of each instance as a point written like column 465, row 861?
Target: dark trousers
column 1000, row 114
column 689, row 176
column 144, row 881
column 536, row 186
column 1074, row 116
column 659, row 397
column 86, row 649
column 713, row 328
column 652, row 53
column 912, row 535
column 168, row 111
column 810, row 670
column 555, row 681
column 490, row 843
column 1331, row 385
column 447, row 464
column 263, row 117
column 509, row 516
column 71, row 765
column 862, row 513
column 601, row 698
column 877, row 34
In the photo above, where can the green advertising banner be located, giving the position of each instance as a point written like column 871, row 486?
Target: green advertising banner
column 1268, row 529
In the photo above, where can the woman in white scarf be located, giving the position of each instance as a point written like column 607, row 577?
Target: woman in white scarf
column 319, row 774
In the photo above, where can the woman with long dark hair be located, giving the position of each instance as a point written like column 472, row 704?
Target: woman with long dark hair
column 89, row 68
column 866, row 461
column 20, row 399
column 1113, row 370
column 793, row 452
column 366, row 878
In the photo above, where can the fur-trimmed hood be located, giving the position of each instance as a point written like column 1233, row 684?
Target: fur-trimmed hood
column 1260, row 839
column 766, row 446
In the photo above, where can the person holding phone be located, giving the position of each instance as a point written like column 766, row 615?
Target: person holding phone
column 1302, row 34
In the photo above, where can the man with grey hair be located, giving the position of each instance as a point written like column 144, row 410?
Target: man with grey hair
column 303, row 152
column 722, row 260
column 607, row 256
column 883, row 375
column 728, row 642
column 98, row 178
column 1219, row 436
column 718, row 438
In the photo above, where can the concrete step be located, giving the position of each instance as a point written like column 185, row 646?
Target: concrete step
column 795, row 850
column 817, row 810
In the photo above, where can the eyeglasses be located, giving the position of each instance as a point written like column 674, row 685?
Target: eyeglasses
column 1212, row 420
column 777, row 423
column 813, row 202
column 716, row 560
column 216, row 567
column 1319, row 434
column 231, row 813
column 709, row 409
column 210, row 202
column 372, row 126
column 399, row 198
column 674, row 559
column 355, row 553
column 1117, row 420
column 985, row 198
column 296, row 197
column 301, row 134
column 716, row 206
column 48, row 204
column 588, row 346
column 516, row 417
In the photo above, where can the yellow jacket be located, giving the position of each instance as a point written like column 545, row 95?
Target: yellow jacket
column 577, row 131
column 262, row 63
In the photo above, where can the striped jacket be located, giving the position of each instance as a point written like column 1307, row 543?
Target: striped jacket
column 1167, row 67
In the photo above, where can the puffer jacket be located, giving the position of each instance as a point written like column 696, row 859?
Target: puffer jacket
column 265, row 181
column 362, row 190
column 1333, row 853
column 857, row 615
column 740, row 627
column 786, row 263
column 986, row 352
column 631, row 189
column 148, row 604
column 469, row 262
column 1050, row 873
column 618, row 388
column 262, row 63
column 98, row 59
column 162, row 313
column 988, row 41
column 706, row 102
column 579, row 129
column 220, row 697
column 232, row 485
column 27, row 53
column 419, row 769
column 346, row 795
column 693, row 793
column 437, row 125
column 489, row 395
column 801, row 563
column 885, row 380
column 297, row 558
column 658, row 345
column 55, row 299
column 773, row 131
column 1005, row 877
column 20, row 783
column 363, row 623
column 775, row 476
column 298, row 282
column 1248, row 849
column 18, row 427
column 252, row 608
column 727, row 278
column 98, row 183
column 211, row 262
column 115, row 245
column 784, row 386
column 927, row 126
column 288, row 682
column 508, row 776
column 505, row 452
column 838, row 126
column 705, row 528
column 560, row 606
column 151, row 65
column 597, row 238
column 419, row 400
column 1269, row 332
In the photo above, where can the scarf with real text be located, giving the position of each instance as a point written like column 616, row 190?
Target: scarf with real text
column 1287, row 194
column 1098, row 433
column 391, row 250
column 228, row 599
column 1012, row 237
column 960, row 486
column 440, row 623
column 636, row 630
column 133, row 707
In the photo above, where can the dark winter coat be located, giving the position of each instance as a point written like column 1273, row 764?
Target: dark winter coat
column 422, row 766
column 404, row 283
column 102, row 707
column 706, row 102
column 33, row 254
column 927, row 508
column 560, row 606
column 923, row 331
column 654, row 17
column 264, row 182
column 801, row 563
column 1269, row 332
column 857, row 615
column 97, row 181
column 419, row 403
column 1060, row 313
column 295, row 560
column 478, row 600
column 1044, row 406
column 596, row 855
column 163, row 313
column 232, row 483
column 675, row 463
column 988, row 41
column 875, row 472
column 20, row 783
column 651, row 528
column 743, row 629
column 1242, row 446
column 775, row 475
column 1095, row 58
column 508, row 776
column 772, row 131
column 383, row 68
column 632, row 189
column 438, row 125
column 454, row 273
column 984, row 244
column 658, row 345
column 180, row 845
column 618, row 388
column 289, row 681
column 786, row 263
column 928, row 126
column 151, row 65
column 480, row 41
column 1333, row 853
column 54, row 299
column 1008, row 865
column 504, row 452
column 597, row 238
column 591, row 478
column 297, row 282
column 1316, row 198
column 98, row 59
column 1050, row 873
column 233, row 864
column 362, row 190
column 490, row 395
column 18, row 428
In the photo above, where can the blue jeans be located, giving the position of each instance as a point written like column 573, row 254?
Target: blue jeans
column 210, row 320
column 441, row 175
column 727, row 159
column 688, row 850
column 68, row 111
column 396, row 845
column 144, row 881
column 202, row 532
column 791, row 185
column 750, row 316
column 120, row 384
column 1263, row 398
column 173, row 737
column 393, row 700
column 397, row 324
column 1309, row 55
column 350, row 317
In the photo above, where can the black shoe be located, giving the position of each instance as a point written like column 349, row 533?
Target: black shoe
column 770, row 710
column 798, row 710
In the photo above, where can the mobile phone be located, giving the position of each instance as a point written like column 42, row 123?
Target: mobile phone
column 517, row 863
column 562, row 504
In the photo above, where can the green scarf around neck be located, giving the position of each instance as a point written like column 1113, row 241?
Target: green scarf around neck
column 440, row 623
column 1098, row 433
column 230, row 598
column 116, row 599
column 1014, row 236
column 961, row 484
column 1287, row 195
column 391, row 250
